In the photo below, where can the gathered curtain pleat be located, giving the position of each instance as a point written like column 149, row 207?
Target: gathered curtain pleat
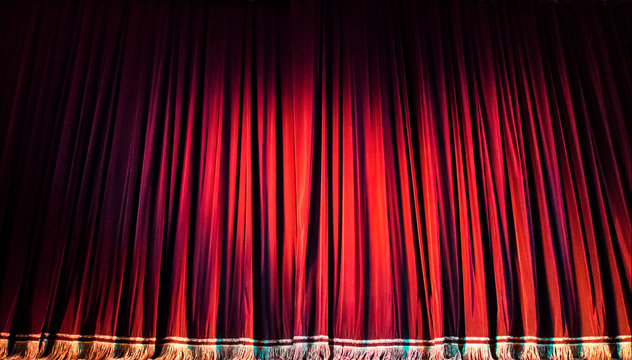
column 286, row 180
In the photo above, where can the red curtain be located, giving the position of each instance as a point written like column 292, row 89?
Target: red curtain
column 287, row 180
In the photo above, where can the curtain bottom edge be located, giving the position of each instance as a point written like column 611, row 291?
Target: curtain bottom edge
column 102, row 350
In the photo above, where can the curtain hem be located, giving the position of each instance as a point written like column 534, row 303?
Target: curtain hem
column 101, row 347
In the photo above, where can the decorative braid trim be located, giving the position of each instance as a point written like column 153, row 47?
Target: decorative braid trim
column 104, row 347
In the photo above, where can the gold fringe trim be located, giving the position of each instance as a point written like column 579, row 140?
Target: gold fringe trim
column 313, row 351
column 416, row 353
column 134, row 351
column 97, row 350
column 27, row 350
column 505, row 351
column 237, row 352
column 560, row 352
column 530, row 352
column 437, row 353
column 477, row 352
column 175, row 352
column 342, row 352
column 300, row 351
column 595, row 351
column 291, row 352
column 4, row 347
column 63, row 350
column 205, row 352
column 625, row 351
column 318, row 351
column 359, row 353
column 277, row 352
column 445, row 352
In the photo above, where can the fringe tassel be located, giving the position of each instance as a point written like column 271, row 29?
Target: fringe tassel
column 445, row 352
column 625, row 350
column 505, row 351
column 436, row 352
column 292, row 352
column 477, row 352
column 530, row 352
column 595, row 351
column 339, row 354
column 175, row 352
column 205, row 352
column 416, row 352
column 274, row 352
column 63, row 350
column 299, row 352
column 27, row 350
column 97, row 350
column 453, row 352
column 560, row 352
column 318, row 351
column 134, row 351
column 237, row 352
column 4, row 347
column 345, row 353
column 379, row 353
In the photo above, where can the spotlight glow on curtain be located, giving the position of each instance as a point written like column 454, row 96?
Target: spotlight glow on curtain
column 285, row 180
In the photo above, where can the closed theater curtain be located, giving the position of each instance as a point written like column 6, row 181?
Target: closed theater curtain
column 288, row 180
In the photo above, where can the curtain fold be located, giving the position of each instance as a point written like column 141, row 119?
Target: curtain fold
column 288, row 180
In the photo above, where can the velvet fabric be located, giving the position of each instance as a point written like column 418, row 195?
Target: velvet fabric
column 287, row 180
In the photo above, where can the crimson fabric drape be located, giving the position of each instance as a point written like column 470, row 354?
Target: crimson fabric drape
column 287, row 180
